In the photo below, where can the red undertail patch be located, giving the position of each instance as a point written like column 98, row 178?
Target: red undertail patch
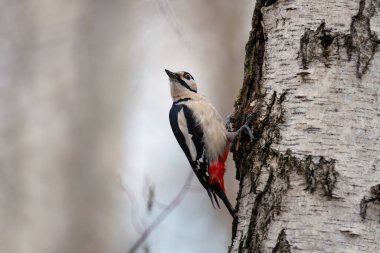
column 217, row 168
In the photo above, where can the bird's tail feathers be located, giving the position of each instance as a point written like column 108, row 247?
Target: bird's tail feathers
column 221, row 194
column 213, row 197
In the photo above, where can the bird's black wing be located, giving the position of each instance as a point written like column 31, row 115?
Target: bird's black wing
column 190, row 137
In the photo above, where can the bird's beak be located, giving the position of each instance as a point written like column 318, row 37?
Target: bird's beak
column 171, row 74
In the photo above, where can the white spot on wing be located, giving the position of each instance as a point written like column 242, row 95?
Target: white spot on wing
column 182, row 123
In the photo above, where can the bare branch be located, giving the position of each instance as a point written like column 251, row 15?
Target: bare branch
column 173, row 204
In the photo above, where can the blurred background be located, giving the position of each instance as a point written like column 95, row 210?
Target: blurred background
column 85, row 137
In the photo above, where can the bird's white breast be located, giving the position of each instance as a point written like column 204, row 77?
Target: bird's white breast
column 211, row 122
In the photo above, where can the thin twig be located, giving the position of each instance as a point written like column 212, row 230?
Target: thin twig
column 164, row 213
column 134, row 217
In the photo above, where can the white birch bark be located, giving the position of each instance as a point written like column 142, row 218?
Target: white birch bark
column 306, row 181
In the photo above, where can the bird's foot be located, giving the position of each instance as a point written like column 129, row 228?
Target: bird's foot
column 231, row 136
column 228, row 123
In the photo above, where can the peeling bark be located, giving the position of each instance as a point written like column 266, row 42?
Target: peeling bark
column 316, row 144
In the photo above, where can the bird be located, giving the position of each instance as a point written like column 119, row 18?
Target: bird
column 200, row 131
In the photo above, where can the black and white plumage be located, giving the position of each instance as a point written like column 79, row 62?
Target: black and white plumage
column 200, row 131
column 190, row 138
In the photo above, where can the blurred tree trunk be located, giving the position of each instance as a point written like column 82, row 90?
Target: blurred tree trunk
column 61, row 110
column 310, row 181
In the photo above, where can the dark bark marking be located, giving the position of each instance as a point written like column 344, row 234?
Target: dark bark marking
column 270, row 2
column 312, row 129
column 374, row 198
column 282, row 245
column 324, row 45
column 375, row 191
column 350, row 233
column 319, row 44
column 364, row 43
column 322, row 174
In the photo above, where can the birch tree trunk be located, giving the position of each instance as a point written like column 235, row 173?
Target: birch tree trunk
column 310, row 180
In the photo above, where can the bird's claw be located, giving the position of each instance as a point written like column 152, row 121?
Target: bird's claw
column 248, row 131
column 246, row 127
column 232, row 135
column 228, row 123
column 250, row 118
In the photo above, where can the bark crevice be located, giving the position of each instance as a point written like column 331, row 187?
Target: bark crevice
column 270, row 2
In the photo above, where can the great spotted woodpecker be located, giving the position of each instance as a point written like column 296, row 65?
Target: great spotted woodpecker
column 200, row 131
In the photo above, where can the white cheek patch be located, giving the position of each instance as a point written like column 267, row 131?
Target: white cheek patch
column 191, row 84
column 182, row 123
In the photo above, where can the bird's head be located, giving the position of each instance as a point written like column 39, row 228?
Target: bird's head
column 181, row 83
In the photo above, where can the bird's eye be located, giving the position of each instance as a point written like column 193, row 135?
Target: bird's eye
column 187, row 76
